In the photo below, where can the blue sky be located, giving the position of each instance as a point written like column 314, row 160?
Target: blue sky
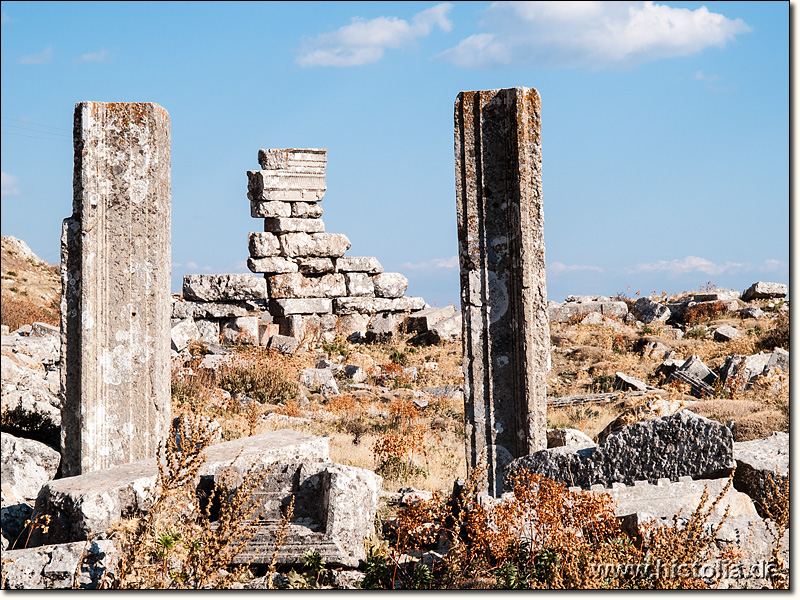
column 665, row 127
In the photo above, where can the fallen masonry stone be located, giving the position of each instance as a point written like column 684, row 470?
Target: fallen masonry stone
column 320, row 380
column 297, row 285
column 240, row 330
column 27, row 465
column 88, row 504
column 275, row 264
column 626, row 382
column 383, row 327
column 306, row 210
column 55, row 566
column 753, row 312
column 349, row 305
column 648, row 311
column 739, row 368
column 717, row 295
column 694, row 372
column 224, row 288
column 562, row 313
column 422, row 321
column 300, row 306
column 761, row 466
column 314, row 244
column 284, row 344
column 365, row 264
column 447, row 330
column 263, row 244
column 209, row 330
column 33, row 412
column 182, row 333
column 359, row 284
column 315, row 266
column 308, row 326
column 594, row 318
column 673, row 446
column 574, row 298
column 270, row 209
column 726, row 333
column 779, row 359
column 289, row 225
column 334, row 512
column 390, row 285
column 762, row 289
column 355, row 373
column 184, row 309
column 564, row 436
column 44, row 330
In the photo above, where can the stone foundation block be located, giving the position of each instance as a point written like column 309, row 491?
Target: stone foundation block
column 272, row 265
column 284, row 225
column 240, row 330
column 270, row 209
column 296, row 285
column 365, row 264
column 224, row 288
column 390, row 285
column 348, row 305
column 263, row 244
column 314, row 244
column 300, row 306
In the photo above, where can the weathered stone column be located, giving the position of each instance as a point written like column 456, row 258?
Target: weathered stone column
column 506, row 336
column 115, row 274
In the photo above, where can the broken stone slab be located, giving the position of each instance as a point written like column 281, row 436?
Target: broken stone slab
column 54, row 567
column 717, row 296
column 355, row 373
column 390, row 285
column 270, row 209
column 88, row 504
column 563, row 313
column 33, row 413
column 44, row 330
column 284, row 344
column 297, row 285
column 758, row 462
column 594, row 318
column 263, row 244
column 753, row 312
column 763, row 289
column 334, row 512
column 649, row 311
column 182, row 333
column 314, row 244
column 447, row 330
column 575, row 298
column 347, row 305
column 224, row 288
column 272, row 265
column 282, row 307
column 694, row 372
column 309, row 327
column 726, row 333
column 294, row 160
column 422, row 321
column 315, row 266
column 383, row 327
column 626, row 382
column 674, row 446
column 359, row 284
column 365, row 264
column 572, row 438
column 184, row 309
column 240, row 330
column 209, row 330
column 319, row 380
column 744, row 369
column 291, row 225
column 306, row 210
column 779, row 359
column 115, row 276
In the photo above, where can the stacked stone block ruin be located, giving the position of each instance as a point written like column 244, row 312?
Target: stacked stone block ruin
column 310, row 290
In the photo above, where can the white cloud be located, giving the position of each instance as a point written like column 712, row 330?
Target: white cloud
column 94, row 57
column 192, row 265
column 432, row 265
column 45, row 56
column 8, row 185
column 363, row 42
column 559, row 267
column 591, row 34
column 4, row 18
column 690, row 264
column 700, row 76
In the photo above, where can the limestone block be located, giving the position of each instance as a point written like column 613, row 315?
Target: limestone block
column 224, row 288
column 182, row 333
column 271, row 185
column 266, row 331
column 284, row 344
column 383, row 327
column 348, row 305
column 359, row 284
column 726, row 333
column 300, row 306
column 209, row 330
column 648, row 311
column 315, row 266
column 33, row 409
column 314, row 244
column 353, row 324
column 365, row 264
column 562, row 313
column 780, row 359
column 626, row 382
column 717, row 295
column 115, row 273
column 240, row 330
column 423, row 320
column 757, row 461
column 270, row 209
column 54, row 567
column 762, row 289
column 335, row 507
column 447, row 330
column 44, row 330
column 564, row 436
column 355, row 373
column 307, row 327
column 674, row 446
column 283, row 225
column 275, row 264
column 263, row 244
column 185, row 309
column 305, row 210
column 88, row 504
column 26, row 466
column 390, row 285
column 319, row 380
column 576, row 298
column 296, row 285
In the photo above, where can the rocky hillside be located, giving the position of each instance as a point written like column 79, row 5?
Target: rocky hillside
column 30, row 286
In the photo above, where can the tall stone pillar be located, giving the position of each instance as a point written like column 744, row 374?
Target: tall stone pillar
column 115, row 275
column 506, row 336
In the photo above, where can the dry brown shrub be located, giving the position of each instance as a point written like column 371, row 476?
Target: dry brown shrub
column 15, row 313
column 760, row 425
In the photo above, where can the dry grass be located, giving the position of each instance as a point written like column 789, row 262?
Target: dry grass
column 16, row 312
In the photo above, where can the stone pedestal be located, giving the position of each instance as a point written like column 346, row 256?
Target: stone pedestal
column 115, row 306
column 503, row 294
